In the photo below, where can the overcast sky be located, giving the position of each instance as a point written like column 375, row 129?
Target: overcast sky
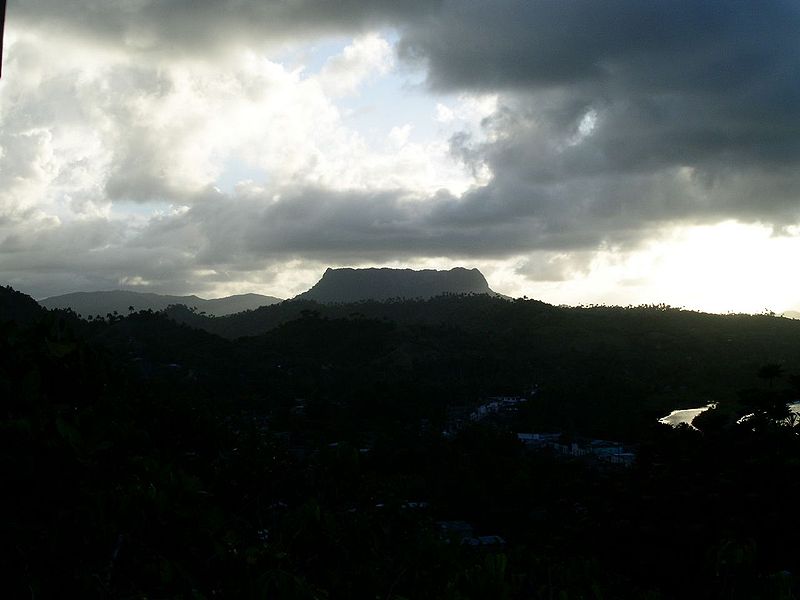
column 577, row 151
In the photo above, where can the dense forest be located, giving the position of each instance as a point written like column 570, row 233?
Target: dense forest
column 310, row 451
column 607, row 370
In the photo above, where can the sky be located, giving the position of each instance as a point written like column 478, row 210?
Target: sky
column 578, row 152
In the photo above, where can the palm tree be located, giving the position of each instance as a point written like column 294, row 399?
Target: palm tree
column 770, row 372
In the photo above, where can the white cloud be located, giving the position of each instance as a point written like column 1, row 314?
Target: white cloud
column 444, row 114
column 102, row 157
column 165, row 131
column 398, row 136
column 366, row 56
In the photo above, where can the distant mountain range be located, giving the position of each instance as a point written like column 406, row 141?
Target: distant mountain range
column 102, row 303
column 336, row 286
column 354, row 285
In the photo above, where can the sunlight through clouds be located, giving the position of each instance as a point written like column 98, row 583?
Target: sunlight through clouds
column 729, row 267
column 577, row 167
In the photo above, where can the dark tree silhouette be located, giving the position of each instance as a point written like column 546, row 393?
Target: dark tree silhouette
column 770, row 372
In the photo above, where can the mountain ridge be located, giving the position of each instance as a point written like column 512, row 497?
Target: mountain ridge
column 110, row 301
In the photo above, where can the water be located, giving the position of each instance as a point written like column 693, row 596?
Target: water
column 686, row 415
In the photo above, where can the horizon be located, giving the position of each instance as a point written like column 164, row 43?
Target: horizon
column 243, row 148
column 789, row 313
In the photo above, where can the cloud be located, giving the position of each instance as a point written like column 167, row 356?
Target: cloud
column 566, row 129
column 344, row 73
column 618, row 117
column 674, row 46
column 554, row 266
column 191, row 28
column 120, row 131
column 316, row 223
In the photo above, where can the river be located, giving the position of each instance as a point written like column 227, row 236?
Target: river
column 687, row 415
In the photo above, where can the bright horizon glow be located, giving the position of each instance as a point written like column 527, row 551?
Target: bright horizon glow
column 756, row 268
column 723, row 268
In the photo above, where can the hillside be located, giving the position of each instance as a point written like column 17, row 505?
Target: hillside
column 119, row 301
column 602, row 365
column 354, row 285
column 167, row 448
column 17, row 307
column 607, row 370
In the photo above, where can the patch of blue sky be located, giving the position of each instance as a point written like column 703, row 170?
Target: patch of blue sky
column 392, row 100
column 311, row 57
column 235, row 171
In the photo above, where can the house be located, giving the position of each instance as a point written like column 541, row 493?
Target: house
column 605, row 451
column 625, row 459
column 485, row 541
column 455, row 530
column 604, row 448
column 538, row 439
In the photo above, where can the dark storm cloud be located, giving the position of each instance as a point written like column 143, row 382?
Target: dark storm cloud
column 199, row 26
column 322, row 224
column 620, row 113
column 669, row 45
column 103, row 254
column 318, row 223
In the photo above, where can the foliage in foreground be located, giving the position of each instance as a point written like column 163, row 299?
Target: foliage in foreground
column 126, row 479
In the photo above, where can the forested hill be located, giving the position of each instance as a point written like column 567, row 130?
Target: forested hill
column 120, row 301
column 17, row 307
column 650, row 358
column 606, row 370
column 147, row 458
column 470, row 311
column 354, row 285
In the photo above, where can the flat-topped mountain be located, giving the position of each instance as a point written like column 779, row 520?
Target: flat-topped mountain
column 102, row 303
column 353, row 285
